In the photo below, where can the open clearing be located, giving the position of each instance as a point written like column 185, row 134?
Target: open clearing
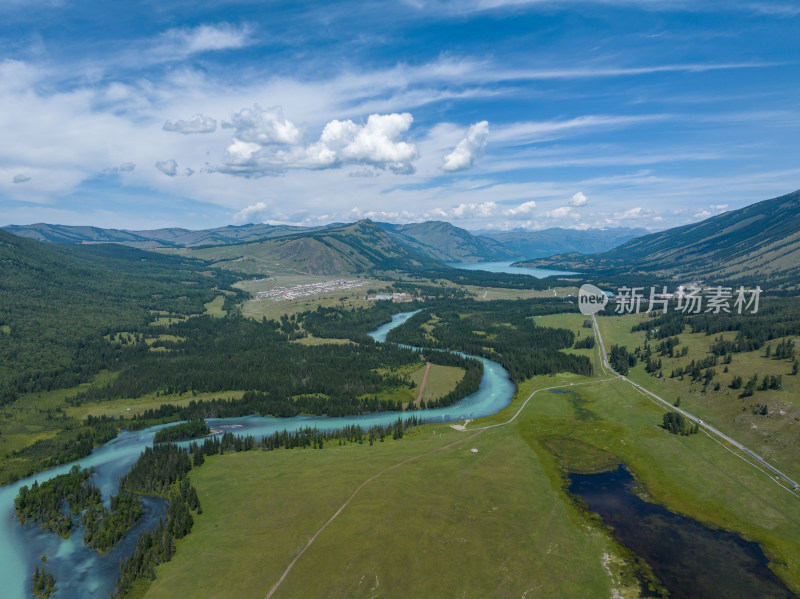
column 496, row 523
column 775, row 436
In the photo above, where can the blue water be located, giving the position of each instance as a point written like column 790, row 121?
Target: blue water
column 539, row 273
column 691, row 560
column 81, row 573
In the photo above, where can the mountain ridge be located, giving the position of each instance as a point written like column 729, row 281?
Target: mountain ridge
column 557, row 240
column 439, row 240
column 757, row 244
column 354, row 248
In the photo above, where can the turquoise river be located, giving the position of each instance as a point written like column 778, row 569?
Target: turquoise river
column 81, row 573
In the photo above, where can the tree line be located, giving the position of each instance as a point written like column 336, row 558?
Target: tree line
column 504, row 331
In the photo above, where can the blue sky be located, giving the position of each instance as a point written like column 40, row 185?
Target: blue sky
column 487, row 113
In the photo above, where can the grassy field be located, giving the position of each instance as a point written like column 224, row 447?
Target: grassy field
column 496, row 523
column 450, row 524
column 441, row 380
column 214, row 307
column 775, row 436
column 37, row 416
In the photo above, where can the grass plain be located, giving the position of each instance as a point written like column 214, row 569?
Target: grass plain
column 496, row 523
column 775, row 436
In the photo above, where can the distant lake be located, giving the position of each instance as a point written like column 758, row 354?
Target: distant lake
column 539, row 273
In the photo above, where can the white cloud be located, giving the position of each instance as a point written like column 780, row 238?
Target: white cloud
column 377, row 143
column 466, row 211
column 702, row 214
column 468, row 149
column 562, row 212
column 522, row 209
column 264, row 126
column 531, row 131
column 125, row 167
column 253, row 213
column 776, row 10
column 184, row 42
column 168, row 167
column 195, row 124
column 631, row 213
column 21, row 179
column 579, row 200
column 718, row 207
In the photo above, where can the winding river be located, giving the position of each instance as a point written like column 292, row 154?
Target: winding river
column 81, row 573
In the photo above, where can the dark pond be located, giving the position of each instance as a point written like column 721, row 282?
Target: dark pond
column 691, row 560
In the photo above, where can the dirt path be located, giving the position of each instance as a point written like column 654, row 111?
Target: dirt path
column 424, row 381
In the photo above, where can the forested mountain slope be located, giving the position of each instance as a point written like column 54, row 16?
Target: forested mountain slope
column 547, row 242
column 448, row 243
column 348, row 249
column 756, row 244
column 57, row 301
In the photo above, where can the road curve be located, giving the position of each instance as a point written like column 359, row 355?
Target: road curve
column 704, row 425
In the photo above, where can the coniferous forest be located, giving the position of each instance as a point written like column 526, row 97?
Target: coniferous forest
column 504, row 331
column 57, row 303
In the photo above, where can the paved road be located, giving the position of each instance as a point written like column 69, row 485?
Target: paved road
column 707, row 427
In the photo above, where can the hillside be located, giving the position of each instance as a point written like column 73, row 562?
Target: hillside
column 152, row 238
column 346, row 249
column 756, row 244
column 57, row 302
column 547, row 242
column 447, row 243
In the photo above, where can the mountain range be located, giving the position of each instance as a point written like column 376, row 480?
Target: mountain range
column 547, row 242
column 757, row 244
column 355, row 248
column 435, row 239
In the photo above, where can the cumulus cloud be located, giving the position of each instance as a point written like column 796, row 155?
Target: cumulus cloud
column 631, row 213
column 195, row 124
column 466, row 211
column 168, row 167
column 254, row 212
column 468, row 149
column 21, row 179
column 718, row 207
column 578, row 200
column 377, row 143
column 562, row 212
column 125, row 167
column 522, row 209
column 264, row 126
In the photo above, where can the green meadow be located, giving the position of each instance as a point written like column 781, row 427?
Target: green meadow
column 774, row 435
column 453, row 523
